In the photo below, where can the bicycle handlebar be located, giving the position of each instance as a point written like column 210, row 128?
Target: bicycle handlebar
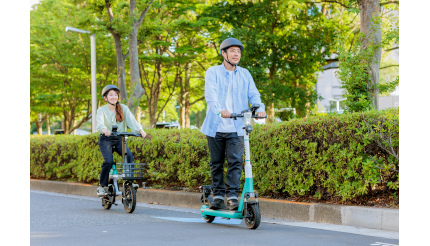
column 127, row 134
column 124, row 134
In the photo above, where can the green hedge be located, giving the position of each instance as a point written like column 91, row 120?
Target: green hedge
column 333, row 155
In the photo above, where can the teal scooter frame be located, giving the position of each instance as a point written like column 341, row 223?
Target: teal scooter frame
column 248, row 205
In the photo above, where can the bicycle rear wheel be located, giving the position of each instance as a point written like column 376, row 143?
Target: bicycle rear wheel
column 106, row 204
column 109, row 199
column 129, row 199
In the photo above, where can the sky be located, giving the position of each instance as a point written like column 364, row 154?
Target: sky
column 32, row 2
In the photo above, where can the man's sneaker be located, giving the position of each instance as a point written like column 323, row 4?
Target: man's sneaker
column 217, row 204
column 232, row 204
column 101, row 191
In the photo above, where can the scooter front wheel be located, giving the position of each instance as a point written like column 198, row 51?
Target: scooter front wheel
column 209, row 218
column 253, row 217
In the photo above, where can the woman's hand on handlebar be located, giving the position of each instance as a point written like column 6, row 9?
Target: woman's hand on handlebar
column 260, row 114
column 143, row 133
column 106, row 132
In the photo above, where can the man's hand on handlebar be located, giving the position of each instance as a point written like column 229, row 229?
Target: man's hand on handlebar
column 143, row 133
column 260, row 114
column 225, row 114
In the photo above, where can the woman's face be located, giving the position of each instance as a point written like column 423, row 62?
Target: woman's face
column 112, row 96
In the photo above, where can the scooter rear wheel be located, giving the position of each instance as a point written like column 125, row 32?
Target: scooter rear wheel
column 253, row 219
column 209, row 218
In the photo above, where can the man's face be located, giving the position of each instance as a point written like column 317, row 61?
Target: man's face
column 233, row 53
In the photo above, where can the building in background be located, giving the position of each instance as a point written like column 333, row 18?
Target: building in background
column 329, row 87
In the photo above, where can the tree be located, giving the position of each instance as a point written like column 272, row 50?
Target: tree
column 370, row 27
column 285, row 44
column 191, row 54
column 172, row 59
column 123, row 20
column 60, row 64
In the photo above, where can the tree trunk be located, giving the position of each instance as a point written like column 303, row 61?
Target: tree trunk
column 138, row 114
column 182, row 103
column 270, row 111
column 66, row 122
column 155, row 94
column 120, row 59
column 48, row 127
column 39, row 124
column 187, row 96
column 198, row 118
column 136, row 88
column 120, row 69
column 371, row 28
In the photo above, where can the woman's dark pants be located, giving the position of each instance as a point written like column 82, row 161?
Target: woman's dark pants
column 222, row 146
column 107, row 146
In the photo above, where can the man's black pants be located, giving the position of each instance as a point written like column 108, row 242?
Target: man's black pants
column 222, row 146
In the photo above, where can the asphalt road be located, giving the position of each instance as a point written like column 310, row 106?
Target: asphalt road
column 59, row 219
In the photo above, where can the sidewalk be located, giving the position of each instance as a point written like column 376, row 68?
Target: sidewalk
column 363, row 217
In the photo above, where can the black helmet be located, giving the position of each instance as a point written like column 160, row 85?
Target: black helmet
column 230, row 42
column 108, row 88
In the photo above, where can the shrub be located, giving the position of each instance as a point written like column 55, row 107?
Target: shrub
column 342, row 156
column 334, row 155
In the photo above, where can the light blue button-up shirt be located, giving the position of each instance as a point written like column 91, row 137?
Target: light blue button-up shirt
column 216, row 86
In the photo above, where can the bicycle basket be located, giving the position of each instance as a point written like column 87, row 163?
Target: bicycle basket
column 130, row 171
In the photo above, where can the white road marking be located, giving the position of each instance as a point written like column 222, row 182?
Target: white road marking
column 383, row 244
column 217, row 220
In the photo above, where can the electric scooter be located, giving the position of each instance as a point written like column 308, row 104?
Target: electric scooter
column 248, row 205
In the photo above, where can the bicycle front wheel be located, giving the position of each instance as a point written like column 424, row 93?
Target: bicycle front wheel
column 129, row 198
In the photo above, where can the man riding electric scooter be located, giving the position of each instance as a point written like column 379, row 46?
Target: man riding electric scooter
column 228, row 89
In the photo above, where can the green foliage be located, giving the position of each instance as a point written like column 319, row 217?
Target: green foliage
column 285, row 45
column 388, row 86
column 174, row 57
column 336, row 155
column 60, row 61
column 342, row 156
column 354, row 73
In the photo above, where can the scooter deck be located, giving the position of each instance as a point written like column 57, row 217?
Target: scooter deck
column 205, row 210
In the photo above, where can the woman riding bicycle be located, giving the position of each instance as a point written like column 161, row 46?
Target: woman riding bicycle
column 113, row 113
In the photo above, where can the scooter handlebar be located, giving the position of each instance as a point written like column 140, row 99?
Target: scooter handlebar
column 234, row 115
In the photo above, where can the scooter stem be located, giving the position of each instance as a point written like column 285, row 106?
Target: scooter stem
column 248, row 186
column 248, row 168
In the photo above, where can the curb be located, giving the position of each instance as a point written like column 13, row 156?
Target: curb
column 363, row 217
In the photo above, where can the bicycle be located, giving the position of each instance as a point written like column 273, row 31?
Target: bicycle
column 128, row 172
